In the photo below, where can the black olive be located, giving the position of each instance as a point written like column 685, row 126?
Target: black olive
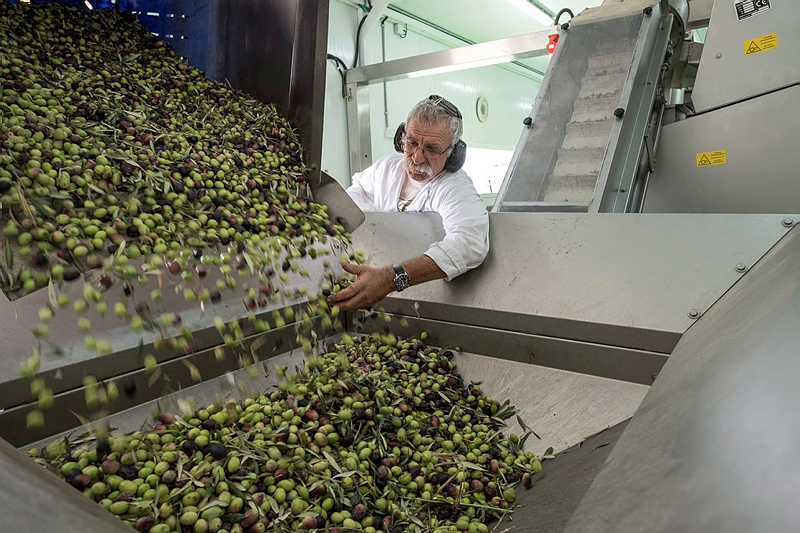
column 217, row 450
column 103, row 447
column 128, row 472
column 129, row 387
column 197, row 253
column 132, row 231
column 72, row 473
column 216, row 296
column 4, row 186
column 189, row 446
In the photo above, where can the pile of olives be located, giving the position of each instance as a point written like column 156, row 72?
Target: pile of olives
column 120, row 164
column 108, row 137
column 378, row 434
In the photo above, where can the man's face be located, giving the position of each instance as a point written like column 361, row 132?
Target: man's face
column 421, row 162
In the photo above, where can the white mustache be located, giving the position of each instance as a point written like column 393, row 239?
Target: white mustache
column 422, row 168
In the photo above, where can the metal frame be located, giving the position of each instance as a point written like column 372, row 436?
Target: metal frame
column 615, row 183
column 465, row 57
column 523, row 139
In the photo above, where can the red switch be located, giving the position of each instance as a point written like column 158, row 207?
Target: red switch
column 551, row 46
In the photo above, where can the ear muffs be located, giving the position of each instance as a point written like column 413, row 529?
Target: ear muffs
column 454, row 161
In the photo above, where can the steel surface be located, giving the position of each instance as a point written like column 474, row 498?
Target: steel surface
column 331, row 193
column 67, row 371
column 616, row 180
column 625, row 280
column 173, row 375
column 712, row 446
column 761, row 173
column 727, row 75
column 33, row 499
column 476, row 55
column 622, row 364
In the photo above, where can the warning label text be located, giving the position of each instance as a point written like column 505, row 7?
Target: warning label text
column 760, row 44
column 709, row 159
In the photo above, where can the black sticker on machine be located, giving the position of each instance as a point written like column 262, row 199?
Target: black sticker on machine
column 748, row 8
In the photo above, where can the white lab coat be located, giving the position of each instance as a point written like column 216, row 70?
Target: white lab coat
column 451, row 194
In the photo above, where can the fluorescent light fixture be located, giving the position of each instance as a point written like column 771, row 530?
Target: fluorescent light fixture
column 532, row 11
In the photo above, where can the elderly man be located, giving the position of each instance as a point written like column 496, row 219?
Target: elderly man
column 425, row 175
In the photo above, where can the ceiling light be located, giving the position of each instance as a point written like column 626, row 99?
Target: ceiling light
column 531, row 10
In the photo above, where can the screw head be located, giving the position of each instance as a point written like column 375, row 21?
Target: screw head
column 788, row 222
column 527, row 121
column 619, row 112
column 694, row 313
column 741, row 267
column 719, row 55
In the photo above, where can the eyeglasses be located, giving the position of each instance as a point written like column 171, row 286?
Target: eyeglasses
column 411, row 146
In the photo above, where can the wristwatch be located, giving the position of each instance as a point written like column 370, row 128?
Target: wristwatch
column 401, row 279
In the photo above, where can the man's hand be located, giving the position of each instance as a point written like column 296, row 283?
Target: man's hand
column 372, row 286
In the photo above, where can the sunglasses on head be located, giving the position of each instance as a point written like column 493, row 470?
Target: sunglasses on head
column 449, row 108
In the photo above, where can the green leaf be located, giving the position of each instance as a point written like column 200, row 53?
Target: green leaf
column 332, row 461
column 52, row 294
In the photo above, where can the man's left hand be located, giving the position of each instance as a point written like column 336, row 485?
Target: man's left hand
column 371, row 286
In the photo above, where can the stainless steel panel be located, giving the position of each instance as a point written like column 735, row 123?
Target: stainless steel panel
column 761, row 175
column 624, row 280
column 173, row 375
column 611, row 362
column 713, row 446
column 66, row 371
column 342, row 208
column 727, row 75
column 275, row 51
column 562, row 407
column 615, row 183
column 558, row 489
column 699, row 13
column 576, row 152
column 477, row 55
column 358, row 127
column 33, row 499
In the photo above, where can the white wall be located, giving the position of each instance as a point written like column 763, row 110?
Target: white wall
column 510, row 95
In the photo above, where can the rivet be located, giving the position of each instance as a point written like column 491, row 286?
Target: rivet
column 741, row 267
column 719, row 55
column 788, row 222
column 694, row 313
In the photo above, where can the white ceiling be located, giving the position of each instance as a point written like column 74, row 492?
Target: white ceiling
column 485, row 20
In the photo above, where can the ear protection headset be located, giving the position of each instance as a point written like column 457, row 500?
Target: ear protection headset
column 458, row 154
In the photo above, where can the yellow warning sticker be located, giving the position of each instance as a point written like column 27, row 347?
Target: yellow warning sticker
column 708, row 159
column 760, row 44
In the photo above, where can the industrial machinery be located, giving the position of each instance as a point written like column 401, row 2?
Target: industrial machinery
column 642, row 266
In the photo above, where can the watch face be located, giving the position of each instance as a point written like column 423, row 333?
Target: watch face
column 402, row 281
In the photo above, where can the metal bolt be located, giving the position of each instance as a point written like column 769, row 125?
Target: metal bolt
column 788, row 222
column 527, row 121
column 741, row 267
column 719, row 55
column 648, row 11
column 619, row 112
column 694, row 313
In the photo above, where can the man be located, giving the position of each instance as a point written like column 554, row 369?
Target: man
column 424, row 176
